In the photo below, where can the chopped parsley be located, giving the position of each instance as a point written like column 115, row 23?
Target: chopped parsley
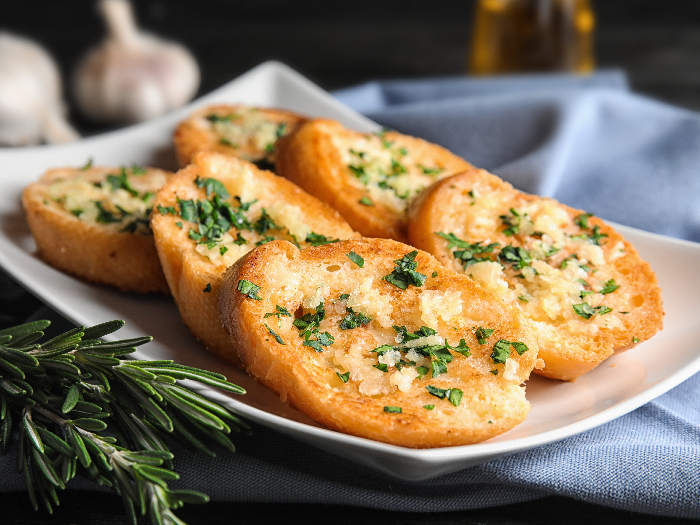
column 353, row 320
column 166, row 210
column 501, row 350
column 207, row 288
column 121, row 182
column 434, row 274
column 468, row 253
column 249, row 289
column 453, row 395
column 430, row 171
column 280, row 311
column 87, row 165
column 587, row 311
column 366, row 201
column 275, row 335
column 429, row 407
column 212, row 186
column 517, row 256
column 482, row 334
column 512, row 223
column 316, row 239
column 357, row 259
column 393, row 410
column 610, row 287
column 343, row 377
column 308, row 327
column 405, row 272
column 265, row 223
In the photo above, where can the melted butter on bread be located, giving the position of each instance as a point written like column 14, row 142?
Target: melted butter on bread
column 579, row 283
column 356, row 343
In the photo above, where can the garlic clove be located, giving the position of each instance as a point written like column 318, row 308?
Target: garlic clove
column 132, row 76
column 31, row 109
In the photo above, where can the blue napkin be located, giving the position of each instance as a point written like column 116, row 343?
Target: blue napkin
column 590, row 143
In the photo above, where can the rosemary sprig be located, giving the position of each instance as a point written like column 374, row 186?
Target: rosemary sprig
column 80, row 409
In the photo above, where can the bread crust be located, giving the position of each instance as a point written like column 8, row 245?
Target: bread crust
column 297, row 281
column 194, row 276
column 199, row 133
column 476, row 207
column 321, row 156
column 99, row 252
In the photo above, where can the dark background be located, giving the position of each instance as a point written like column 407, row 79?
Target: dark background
column 342, row 44
column 337, row 45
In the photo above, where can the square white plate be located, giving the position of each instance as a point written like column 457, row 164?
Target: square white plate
column 622, row 383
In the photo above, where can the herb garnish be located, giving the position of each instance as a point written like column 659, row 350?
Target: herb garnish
column 316, row 239
column 501, row 350
column 275, row 335
column 587, row 311
column 353, row 320
column 453, row 395
column 405, row 272
column 469, row 253
column 249, row 289
column 393, row 410
column 357, row 259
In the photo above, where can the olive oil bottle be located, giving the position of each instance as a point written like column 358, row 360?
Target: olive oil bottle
column 518, row 36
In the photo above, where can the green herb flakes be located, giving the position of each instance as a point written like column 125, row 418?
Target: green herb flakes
column 353, row 320
column 207, row 288
column 366, row 201
column 357, row 259
column 343, row 377
column 315, row 239
column 482, row 334
column 393, row 410
column 405, row 272
column 275, row 335
column 249, row 289
column 610, row 287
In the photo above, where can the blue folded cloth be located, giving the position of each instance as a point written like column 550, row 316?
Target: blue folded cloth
column 590, row 143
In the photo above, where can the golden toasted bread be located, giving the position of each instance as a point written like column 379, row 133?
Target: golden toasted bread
column 369, row 178
column 243, row 131
column 214, row 211
column 93, row 223
column 582, row 287
column 373, row 338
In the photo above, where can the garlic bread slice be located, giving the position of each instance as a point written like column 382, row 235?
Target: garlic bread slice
column 373, row 338
column 582, row 287
column 370, row 178
column 93, row 223
column 214, row 211
column 243, row 131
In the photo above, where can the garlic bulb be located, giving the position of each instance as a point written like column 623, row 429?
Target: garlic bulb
column 31, row 109
column 132, row 76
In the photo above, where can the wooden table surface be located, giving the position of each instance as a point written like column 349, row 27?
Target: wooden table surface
column 656, row 45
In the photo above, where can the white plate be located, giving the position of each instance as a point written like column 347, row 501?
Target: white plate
column 621, row 384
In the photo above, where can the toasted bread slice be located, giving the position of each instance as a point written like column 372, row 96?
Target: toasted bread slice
column 242, row 131
column 93, row 223
column 214, row 211
column 582, row 287
column 369, row 178
column 380, row 357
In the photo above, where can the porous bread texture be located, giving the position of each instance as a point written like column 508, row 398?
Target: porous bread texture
column 193, row 267
column 370, row 178
column 93, row 223
column 567, row 291
column 302, row 282
column 243, row 131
